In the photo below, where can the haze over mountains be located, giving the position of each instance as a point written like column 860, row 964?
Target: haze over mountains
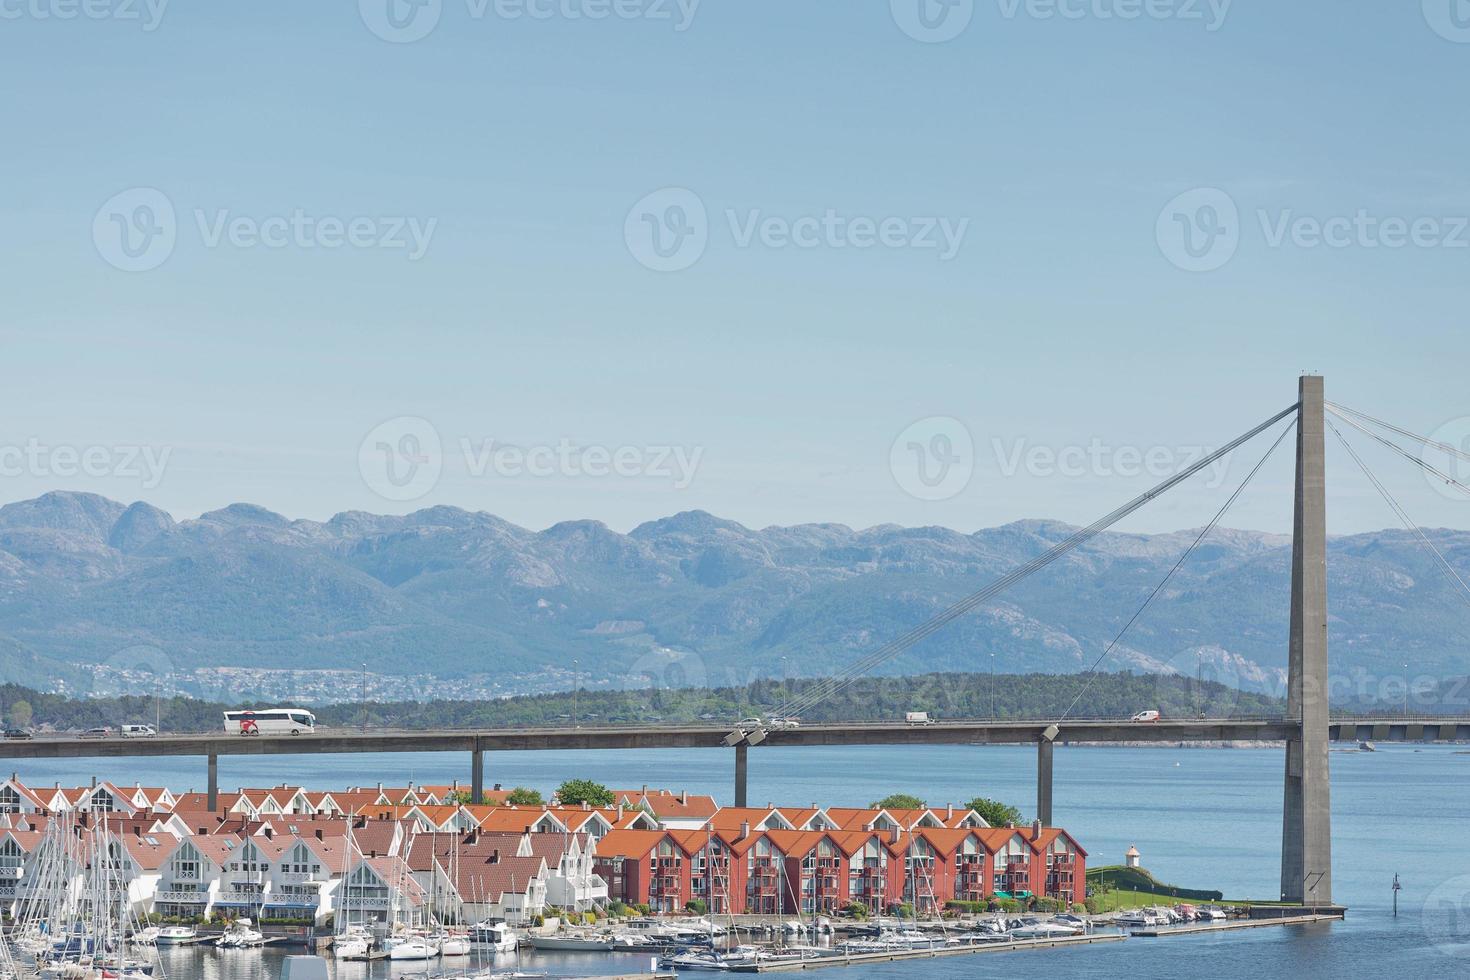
column 689, row 599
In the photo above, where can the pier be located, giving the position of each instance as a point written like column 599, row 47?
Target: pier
column 893, row 956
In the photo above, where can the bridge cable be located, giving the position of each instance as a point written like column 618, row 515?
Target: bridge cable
column 1443, row 447
column 1091, row 672
column 827, row 687
column 1402, row 514
column 1429, row 467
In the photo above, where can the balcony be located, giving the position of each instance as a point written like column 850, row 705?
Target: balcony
column 294, row 877
column 238, row 897
column 364, row 904
column 178, row 897
column 11, row 874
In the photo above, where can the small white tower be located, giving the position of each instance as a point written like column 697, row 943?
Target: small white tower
column 1131, row 858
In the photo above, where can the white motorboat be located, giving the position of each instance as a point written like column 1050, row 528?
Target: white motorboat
column 240, row 934
column 574, row 943
column 1137, row 919
column 354, row 943
column 1051, row 929
column 176, row 935
column 451, row 945
column 412, row 948
column 496, row 935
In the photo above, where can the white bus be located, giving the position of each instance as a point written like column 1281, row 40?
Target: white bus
column 270, row 721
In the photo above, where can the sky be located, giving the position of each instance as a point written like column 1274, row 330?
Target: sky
column 953, row 262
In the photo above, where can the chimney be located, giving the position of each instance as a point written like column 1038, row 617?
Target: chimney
column 319, row 834
column 495, row 856
column 1036, row 830
column 497, row 787
column 645, row 789
column 684, row 798
column 586, row 805
column 949, row 812
column 895, row 835
column 744, row 829
column 620, row 811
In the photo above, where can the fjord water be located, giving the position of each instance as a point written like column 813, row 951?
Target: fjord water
column 1204, row 818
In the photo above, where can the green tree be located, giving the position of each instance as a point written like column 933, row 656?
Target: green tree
column 20, row 714
column 899, row 801
column 524, row 796
column 575, row 792
column 996, row 813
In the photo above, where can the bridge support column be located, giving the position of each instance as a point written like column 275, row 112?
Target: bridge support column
column 213, row 782
column 742, row 764
column 477, row 774
column 1306, row 824
column 1044, row 748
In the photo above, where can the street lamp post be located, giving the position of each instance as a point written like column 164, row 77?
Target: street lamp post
column 1406, row 690
column 576, row 686
column 364, row 699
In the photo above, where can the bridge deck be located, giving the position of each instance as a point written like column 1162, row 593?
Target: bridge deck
column 710, row 736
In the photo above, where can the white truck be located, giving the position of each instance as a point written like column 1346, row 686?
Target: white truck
column 917, row 718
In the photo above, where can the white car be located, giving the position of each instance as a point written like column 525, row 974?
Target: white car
column 778, row 724
column 750, row 724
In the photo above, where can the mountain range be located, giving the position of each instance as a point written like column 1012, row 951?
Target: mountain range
column 690, row 599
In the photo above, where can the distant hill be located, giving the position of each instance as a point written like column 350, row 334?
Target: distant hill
column 689, row 599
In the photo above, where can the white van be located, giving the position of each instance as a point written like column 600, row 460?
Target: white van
column 1146, row 716
column 138, row 731
column 917, row 718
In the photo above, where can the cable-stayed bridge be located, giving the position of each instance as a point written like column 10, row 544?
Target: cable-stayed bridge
column 1306, row 729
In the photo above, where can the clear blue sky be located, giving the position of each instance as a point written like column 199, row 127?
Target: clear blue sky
column 1063, row 319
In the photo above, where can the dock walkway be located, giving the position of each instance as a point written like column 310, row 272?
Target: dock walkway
column 855, row 959
column 1197, row 928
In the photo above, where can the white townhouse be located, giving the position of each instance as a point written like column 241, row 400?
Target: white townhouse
column 191, row 875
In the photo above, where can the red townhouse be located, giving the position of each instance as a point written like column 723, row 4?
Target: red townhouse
column 922, row 866
column 646, row 867
column 716, row 874
column 623, row 861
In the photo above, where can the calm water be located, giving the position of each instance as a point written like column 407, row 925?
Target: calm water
column 1204, row 818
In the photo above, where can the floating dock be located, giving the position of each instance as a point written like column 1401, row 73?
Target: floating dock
column 889, row 956
column 1199, row 928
